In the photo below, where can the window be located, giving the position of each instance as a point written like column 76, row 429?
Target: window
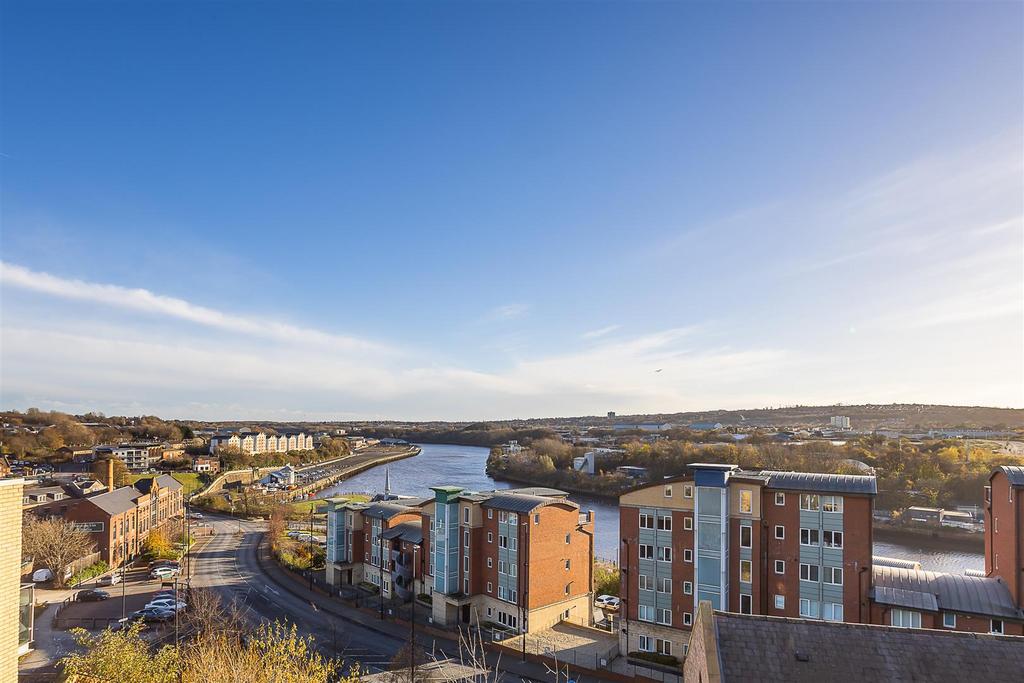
column 832, row 503
column 465, row 538
column 646, row 644
column 490, row 537
column 687, row 620
column 665, row 617
column 905, row 618
column 490, row 563
column 465, row 514
column 687, row 555
column 668, row 491
column 780, row 602
column 502, row 567
column 745, row 536
column 665, row 523
column 780, row 532
column 536, row 519
column 832, row 611
column 513, row 518
column 501, row 592
column 665, row 585
column 646, row 584
column 465, row 564
column 502, row 517
column 646, row 521
column 832, row 539
column 567, row 586
column 513, row 543
column 513, row 596
column 645, row 613
column 664, row 554
column 997, row 626
column 489, row 590
column 688, row 523
column 745, row 571
column 502, row 541
column 746, row 604
column 490, row 515
column 808, row 537
column 834, row 575
column 687, row 491
column 780, row 566
column 513, row 569
column 780, row 498
column 809, row 501
column 746, row 501
column 687, row 588
column 568, row 538
column 568, row 564
column 490, row 611
column 809, row 572
column 809, row 608
column 664, row 647
column 949, row 619
column 646, row 551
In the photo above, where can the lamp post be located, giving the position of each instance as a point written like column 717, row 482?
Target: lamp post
column 380, row 562
column 124, row 577
column 412, row 619
column 311, row 547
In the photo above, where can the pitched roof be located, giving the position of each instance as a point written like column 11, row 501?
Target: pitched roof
column 1015, row 473
column 785, row 649
column 830, row 483
column 939, row 591
column 165, row 481
column 385, row 510
column 411, row 532
column 523, row 503
column 117, row 501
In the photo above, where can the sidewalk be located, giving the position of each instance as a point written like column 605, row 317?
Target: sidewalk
column 528, row 670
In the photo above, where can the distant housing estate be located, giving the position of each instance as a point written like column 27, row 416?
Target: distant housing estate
column 262, row 442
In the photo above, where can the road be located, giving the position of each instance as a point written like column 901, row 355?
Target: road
column 228, row 565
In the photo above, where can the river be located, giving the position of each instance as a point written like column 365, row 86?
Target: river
column 440, row 464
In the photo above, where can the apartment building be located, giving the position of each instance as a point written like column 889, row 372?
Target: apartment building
column 520, row 558
column 260, row 442
column 1004, row 529
column 136, row 456
column 784, row 544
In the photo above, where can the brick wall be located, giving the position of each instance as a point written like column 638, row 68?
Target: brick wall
column 10, row 576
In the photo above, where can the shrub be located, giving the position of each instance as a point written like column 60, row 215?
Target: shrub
column 90, row 572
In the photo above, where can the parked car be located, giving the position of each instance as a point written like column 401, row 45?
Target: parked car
column 166, row 603
column 109, row 580
column 196, row 515
column 164, row 572
column 43, row 574
column 91, row 595
column 607, row 602
column 151, row 614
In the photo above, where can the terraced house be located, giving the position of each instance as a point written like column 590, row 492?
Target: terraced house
column 519, row 558
column 775, row 543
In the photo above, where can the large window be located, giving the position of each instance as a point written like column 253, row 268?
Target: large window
column 646, row 583
column 832, row 611
column 809, row 537
column 809, row 502
column 832, row 503
column 665, row 523
column 645, row 613
column 905, row 618
column 664, row 585
column 665, row 617
column 809, row 608
column 834, row 575
column 646, row 521
column 664, row 647
column 646, row 644
column 832, row 539
column 745, row 571
column 809, row 572
column 665, row 554
column 646, row 551
column 746, row 501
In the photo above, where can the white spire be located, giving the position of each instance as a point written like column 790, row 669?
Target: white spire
column 387, row 483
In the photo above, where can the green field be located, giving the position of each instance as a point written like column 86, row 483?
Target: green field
column 189, row 480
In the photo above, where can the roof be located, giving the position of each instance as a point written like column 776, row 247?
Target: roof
column 429, row 672
column 385, row 510
column 536, row 491
column 411, row 532
column 117, row 501
column 784, row 649
column 1015, row 473
column 164, row 481
column 523, row 503
column 829, row 483
column 953, row 592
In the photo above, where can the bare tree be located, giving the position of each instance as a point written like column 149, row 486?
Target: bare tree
column 54, row 544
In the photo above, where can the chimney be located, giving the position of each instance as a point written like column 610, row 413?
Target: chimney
column 110, row 474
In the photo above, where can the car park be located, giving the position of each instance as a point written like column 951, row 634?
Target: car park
column 151, row 614
column 91, row 595
column 607, row 602
column 196, row 515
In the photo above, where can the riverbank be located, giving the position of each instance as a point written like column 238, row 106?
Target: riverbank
column 939, row 538
column 367, row 459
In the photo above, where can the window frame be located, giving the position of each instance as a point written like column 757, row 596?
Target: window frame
column 780, row 532
column 750, row 536
column 687, row 587
column 687, row 523
column 750, row 571
column 746, row 502
column 810, row 502
column 781, row 572
column 997, row 631
column 687, row 490
column 780, row 498
column 779, row 601
column 947, row 617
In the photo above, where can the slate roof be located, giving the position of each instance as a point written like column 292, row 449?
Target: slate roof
column 165, row 481
column 411, row 532
column 827, row 483
column 1015, row 473
column 523, row 503
column 759, row 648
column 117, row 501
column 951, row 592
column 385, row 510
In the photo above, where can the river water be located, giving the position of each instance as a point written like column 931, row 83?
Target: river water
column 440, row 464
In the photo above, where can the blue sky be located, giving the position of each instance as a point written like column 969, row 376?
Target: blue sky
column 486, row 210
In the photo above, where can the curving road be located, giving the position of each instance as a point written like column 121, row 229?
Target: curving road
column 228, row 564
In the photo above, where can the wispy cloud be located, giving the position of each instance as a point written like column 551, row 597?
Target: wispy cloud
column 600, row 332
column 507, row 312
column 145, row 301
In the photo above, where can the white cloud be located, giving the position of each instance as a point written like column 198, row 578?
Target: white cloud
column 507, row 312
column 600, row 332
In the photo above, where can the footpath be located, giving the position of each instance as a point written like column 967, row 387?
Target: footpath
column 427, row 636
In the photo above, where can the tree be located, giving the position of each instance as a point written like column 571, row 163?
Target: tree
column 120, row 656
column 277, row 527
column 157, row 545
column 54, row 544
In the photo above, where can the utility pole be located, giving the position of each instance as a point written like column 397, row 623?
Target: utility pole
column 311, row 547
column 625, row 571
